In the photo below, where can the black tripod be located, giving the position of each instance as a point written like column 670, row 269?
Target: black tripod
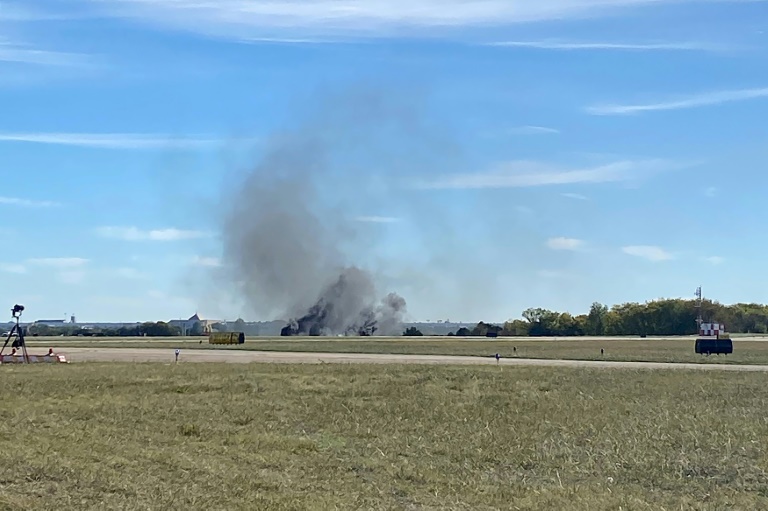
column 18, row 333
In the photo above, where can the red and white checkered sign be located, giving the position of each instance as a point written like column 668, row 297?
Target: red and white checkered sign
column 712, row 329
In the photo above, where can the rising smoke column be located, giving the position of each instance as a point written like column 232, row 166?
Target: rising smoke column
column 345, row 307
column 281, row 245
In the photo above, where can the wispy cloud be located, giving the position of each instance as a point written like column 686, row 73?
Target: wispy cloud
column 693, row 101
column 378, row 219
column 710, row 191
column 26, row 203
column 533, row 130
column 521, row 174
column 59, row 262
column 13, row 268
column 294, row 40
column 564, row 243
column 714, row 260
column 604, row 45
column 136, row 234
column 20, row 53
column 241, row 19
column 649, row 252
column 116, row 140
column 575, row 196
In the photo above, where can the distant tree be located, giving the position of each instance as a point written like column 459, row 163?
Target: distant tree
column 123, row 331
column 158, row 329
column 43, row 330
column 463, row 332
column 656, row 317
column 412, row 332
column 515, row 328
column 541, row 322
column 533, row 315
column 482, row 329
column 163, row 329
column 581, row 324
column 196, row 330
column 596, row 319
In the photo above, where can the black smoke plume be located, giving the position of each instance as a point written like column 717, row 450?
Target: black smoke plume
column 351, row 293
column 284, row 234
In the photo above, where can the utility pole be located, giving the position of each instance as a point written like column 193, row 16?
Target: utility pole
column 699, row 320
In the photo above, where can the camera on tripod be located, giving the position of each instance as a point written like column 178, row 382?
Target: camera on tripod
column 17, row 310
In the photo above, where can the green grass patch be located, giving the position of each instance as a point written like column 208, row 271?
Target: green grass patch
column 223, row 436
column 637, row 350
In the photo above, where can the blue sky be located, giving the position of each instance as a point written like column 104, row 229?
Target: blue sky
column 571, row 151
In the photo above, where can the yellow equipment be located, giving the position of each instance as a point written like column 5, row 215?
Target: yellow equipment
column 226, row 338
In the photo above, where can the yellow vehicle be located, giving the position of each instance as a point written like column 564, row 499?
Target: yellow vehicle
column 226, row 338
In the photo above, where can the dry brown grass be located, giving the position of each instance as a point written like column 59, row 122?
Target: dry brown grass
column 192, row 436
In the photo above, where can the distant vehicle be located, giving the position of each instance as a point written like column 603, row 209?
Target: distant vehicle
column 226, row 338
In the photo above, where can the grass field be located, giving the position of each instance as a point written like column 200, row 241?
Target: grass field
column 153, row 436
column 638, row 350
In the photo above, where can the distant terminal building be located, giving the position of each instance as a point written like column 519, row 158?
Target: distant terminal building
column 187, row 326
column 50, row 322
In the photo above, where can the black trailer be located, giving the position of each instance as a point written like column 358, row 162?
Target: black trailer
column 714, row 346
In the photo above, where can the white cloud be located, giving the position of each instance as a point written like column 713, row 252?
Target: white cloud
column 693, row 101
column 575, row 196
column 116, row 140
column 714, row 260
column 244, row 19
column 136, row 234
column 521, row 174
column 378, row 219
column 652, row 253
column 564, row 243
column 533, row 130
column 59, row 262
column 573, row 45
column 26, row 203
column 13, row 268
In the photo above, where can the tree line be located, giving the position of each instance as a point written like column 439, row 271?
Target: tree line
column 657, row 317
column 148, row 329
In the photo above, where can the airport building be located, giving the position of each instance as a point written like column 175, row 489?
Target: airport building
column 194, row 323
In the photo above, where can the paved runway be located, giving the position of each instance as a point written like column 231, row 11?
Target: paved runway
column 230, row 356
